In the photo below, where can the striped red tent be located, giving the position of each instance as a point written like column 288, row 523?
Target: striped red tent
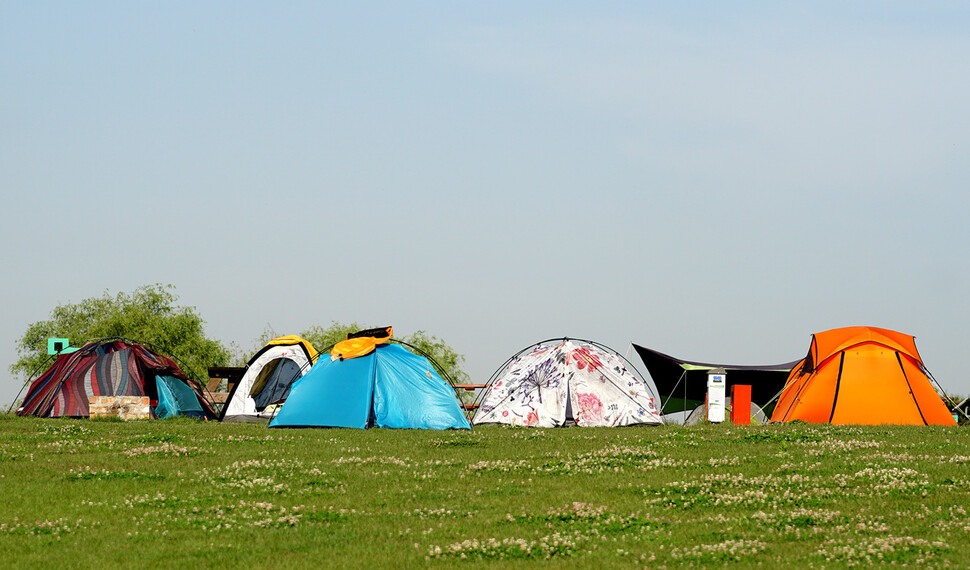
column 115, row 367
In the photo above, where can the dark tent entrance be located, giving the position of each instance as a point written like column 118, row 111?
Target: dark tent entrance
column 274, row 381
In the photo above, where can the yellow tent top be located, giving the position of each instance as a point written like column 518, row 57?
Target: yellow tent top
column 294, row 339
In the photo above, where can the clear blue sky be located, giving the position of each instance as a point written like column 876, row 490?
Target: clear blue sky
column 716, row 181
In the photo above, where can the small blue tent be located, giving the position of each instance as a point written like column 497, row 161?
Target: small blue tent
column 389, row 387
column 175, row 397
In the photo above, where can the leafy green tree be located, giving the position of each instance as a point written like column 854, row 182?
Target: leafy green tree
column 450, row 361
column 150, row 315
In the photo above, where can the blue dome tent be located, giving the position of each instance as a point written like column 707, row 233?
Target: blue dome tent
column 369, row 382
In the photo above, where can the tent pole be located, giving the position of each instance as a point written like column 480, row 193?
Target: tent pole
column 664, row 402
column 34, row 374
column 953, row 405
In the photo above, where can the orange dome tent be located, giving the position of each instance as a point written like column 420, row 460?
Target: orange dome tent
column 861, row 375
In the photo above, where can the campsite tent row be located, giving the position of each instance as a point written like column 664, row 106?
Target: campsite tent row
column 370, row 381
column 366, row 381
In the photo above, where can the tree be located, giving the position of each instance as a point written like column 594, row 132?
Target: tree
column 445, row 356
column 148, row 315
column 449, row 362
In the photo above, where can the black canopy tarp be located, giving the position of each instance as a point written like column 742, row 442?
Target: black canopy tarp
column 682, row 384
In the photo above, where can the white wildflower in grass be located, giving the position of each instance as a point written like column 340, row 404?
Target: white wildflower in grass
column 68, row 443
column 661, row 463
column 956, row 520
column 585, row 517
column 6, row 455
column 883, row 481
column 610, row 459
column 501, row 465
column 379, row 460
column 90, row 473
column 260, row 474
column 712, row 489
column 166, row 513
column 798, row 467
column 237, row 438
column 544, row 548
column 158, row 499
column 53, row 528
column 66, row 430
column 799, row 517
column 871, row 550
column 956, row 459
column 442, row 513
column 839, row 446
column 870, row 524
column 729, row 550
column 720, row 462
column 163, row 449
column 459, row 440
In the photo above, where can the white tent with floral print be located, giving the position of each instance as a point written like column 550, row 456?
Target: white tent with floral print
column 560, row 381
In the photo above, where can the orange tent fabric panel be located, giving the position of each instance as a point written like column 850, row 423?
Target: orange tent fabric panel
column 809, row 398
column 931, row 406
column 875, row 390
column 793, row 387
column 861, row 376
column 829, row 343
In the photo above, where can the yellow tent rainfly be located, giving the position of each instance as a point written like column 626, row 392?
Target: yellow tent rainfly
column 361, row 343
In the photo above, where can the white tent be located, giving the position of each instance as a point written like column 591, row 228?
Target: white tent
column 561, row 381
column 268, row 378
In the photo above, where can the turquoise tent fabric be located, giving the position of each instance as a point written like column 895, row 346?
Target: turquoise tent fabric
column 390, row 387
column 175, row 397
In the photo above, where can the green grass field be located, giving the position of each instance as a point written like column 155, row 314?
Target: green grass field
column 84, row 493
